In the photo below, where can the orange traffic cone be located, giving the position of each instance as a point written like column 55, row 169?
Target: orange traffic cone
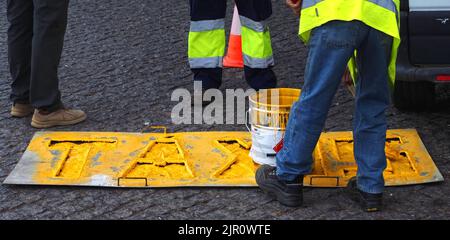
column 234, row 57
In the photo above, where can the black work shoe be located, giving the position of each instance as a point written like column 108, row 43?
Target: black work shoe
column 288, row 194
column 369, row 202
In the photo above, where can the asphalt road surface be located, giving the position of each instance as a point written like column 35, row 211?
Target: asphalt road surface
column 122, row 60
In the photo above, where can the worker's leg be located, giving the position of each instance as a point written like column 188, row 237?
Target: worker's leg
column 20, row 35
column 330, row 48
column 50, row 21
column 256, row 43
column 207, row 41
column 372, row 99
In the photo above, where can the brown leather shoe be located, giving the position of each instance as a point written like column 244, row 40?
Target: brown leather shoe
column 20, row 110
column 61, row 117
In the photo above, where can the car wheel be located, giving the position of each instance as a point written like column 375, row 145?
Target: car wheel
column 414, row 96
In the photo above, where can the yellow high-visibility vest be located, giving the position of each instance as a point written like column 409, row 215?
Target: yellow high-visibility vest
column 383, row 15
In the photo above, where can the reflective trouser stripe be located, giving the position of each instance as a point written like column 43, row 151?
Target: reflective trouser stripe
column 258, row 62
column 256, row 44
column 207, row 25
column 212, row 62
column 254, row 25
column 206, row 43
column 388, row 4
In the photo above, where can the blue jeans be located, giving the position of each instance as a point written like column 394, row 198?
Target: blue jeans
column 330, row 48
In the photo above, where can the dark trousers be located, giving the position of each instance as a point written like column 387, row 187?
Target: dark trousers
column 35, row 42
column 256, row 10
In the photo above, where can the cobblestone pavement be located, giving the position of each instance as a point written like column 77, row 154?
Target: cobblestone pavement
column 121, row 61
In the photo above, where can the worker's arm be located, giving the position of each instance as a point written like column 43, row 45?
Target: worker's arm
column 295, row 5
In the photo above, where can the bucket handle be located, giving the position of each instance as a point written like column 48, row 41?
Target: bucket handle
column 247, row 121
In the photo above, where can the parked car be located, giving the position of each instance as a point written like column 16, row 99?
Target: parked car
column 424, row 54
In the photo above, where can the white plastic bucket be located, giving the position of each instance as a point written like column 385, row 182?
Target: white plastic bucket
column 268, row 116
column 263, row 142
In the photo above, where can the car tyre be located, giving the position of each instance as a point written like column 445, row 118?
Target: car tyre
column 414, row 96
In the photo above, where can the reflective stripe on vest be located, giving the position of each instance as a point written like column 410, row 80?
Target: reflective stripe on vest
column 388, row 4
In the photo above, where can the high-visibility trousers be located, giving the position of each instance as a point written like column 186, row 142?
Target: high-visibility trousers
column 207, row 42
